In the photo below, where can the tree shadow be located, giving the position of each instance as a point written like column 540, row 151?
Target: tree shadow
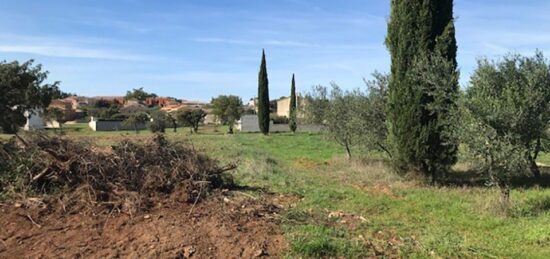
column 473, row 178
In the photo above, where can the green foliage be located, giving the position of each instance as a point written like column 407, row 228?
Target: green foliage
column 276, row 119
column 341, row 118
column 191, row 118
column 228, row 108
column 372, row 119
column 435, row 150
column 507, row 108
column 316, row 104
column 159, row 122
column 352, row 118
column 138, row 94
column 419, row 30
column 136, row 119
column 293, row 106
column 23, row 89
column 263, row 97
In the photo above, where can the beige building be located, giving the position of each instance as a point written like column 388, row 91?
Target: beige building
column 283, row 107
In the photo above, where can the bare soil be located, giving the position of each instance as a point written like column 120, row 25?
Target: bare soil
column 226, row 225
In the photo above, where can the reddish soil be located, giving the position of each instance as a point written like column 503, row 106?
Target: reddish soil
column 223, row 226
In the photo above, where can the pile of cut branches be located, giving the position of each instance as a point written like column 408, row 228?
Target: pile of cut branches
column 130, row 177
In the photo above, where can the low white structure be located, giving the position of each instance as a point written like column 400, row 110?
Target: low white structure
column 35, row 120
column 249, row 123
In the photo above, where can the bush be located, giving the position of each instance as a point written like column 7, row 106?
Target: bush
column 278, row 119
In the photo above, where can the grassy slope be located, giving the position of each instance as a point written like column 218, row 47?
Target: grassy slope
column 398, row 215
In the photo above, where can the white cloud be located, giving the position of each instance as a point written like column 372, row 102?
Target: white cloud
column 64, row 47
column 67, row 52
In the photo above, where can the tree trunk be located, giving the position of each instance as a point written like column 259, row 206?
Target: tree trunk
column 230, row 129
column 384, row 149
column 533, row 159
column 535, row 168
column 348, row 151
column 505, row 196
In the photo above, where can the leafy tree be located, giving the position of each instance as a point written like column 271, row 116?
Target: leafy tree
column 191, row 118
column 511, row 100
column 353, row 118
column 293, row 106
column 263, row 97
column 55, row 114
column 159, row 121
column 136, row 119
column 340, row 122
column 174, row 121
column 371, row 115
column 228, row 108
column 316, row 104
column 138, row 94
column 496, row 153
column 417, row 30
column 22, row 89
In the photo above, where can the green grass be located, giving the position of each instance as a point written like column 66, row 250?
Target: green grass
column 384, row 214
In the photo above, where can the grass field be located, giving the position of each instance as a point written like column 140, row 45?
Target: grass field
column 361, row 208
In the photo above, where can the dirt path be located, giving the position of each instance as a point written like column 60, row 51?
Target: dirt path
column 232, row 226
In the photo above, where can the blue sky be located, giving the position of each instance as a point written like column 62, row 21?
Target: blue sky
column 197, row 49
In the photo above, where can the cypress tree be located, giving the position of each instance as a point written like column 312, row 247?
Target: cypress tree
column 263, row 97
column 419, row 29
column 292, row 109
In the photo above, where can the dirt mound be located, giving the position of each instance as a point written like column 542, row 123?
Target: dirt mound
column 132, row 177
column 224, row 226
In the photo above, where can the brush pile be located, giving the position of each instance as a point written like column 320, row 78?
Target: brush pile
column 130, row 177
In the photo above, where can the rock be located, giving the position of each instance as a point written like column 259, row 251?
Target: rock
column 188, row 251
column 260, row 253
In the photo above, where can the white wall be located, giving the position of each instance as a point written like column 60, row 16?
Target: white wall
column 249, row 123
column 35, row 120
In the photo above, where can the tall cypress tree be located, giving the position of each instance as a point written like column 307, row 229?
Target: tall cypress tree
column 292, row 109
column 263, row 97
column 418, row 30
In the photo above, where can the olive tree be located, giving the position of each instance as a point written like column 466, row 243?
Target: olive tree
column 228, row 108
column 508, row 103
column 340, row 122
column 159, row 122
column 372, row 118
column 191, row 118
column 136, row 119
column 353, row 118
column 315, row 105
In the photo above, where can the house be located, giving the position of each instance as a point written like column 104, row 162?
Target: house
column 160, row 101
column 68, row 106
column 283, row 107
